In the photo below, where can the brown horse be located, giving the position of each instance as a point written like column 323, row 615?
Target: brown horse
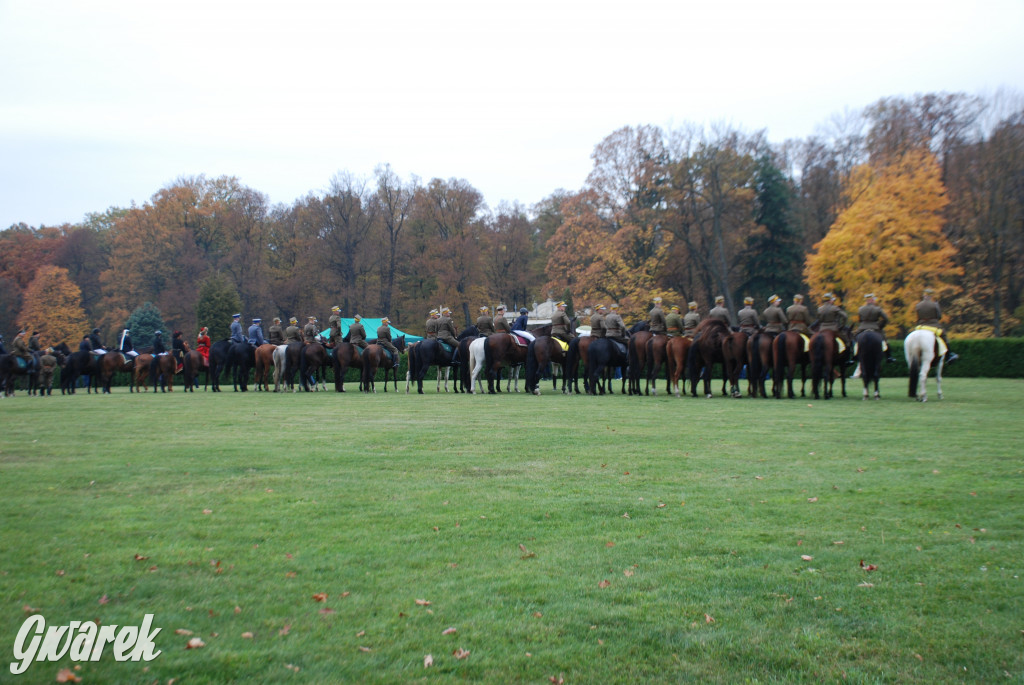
column 374, row 357
column 313, row 359
column 111, row 363
column 759, row 362
column 637, row 350
column 657, row 355
column 708, row 345
column 826, row 360
column 734, row 357
column 506, row 349
column 346, row 357
column 264, row 366
column 194, row 363
column 578, row 349
column 789, row 352
column 677, row 350
column 161, row 372
column 140, row 375
column 541, row 352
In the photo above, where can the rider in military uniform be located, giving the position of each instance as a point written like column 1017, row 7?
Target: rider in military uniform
column 293, row 333
column 256, row 333
column 33, row 342
column 775, row 319
column 334, row 324
column 615, row 327
column 597, row 321
column 384, row 339
column 430, row 329
column 674, row 322
column 21, row 350
column 310, row 331
column 484, row 322
column 561, row 326
column 930, row 314
column 833, row 318
column 656, row 317
column 274, row 334
column 236, row 329
column 719, row 311
column 446, row 331
column 799, row 316
column 692, row 319
column 747, row 317
column 501, row 324
column 357, row 333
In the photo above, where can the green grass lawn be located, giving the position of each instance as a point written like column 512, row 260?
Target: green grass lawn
column 598, row 540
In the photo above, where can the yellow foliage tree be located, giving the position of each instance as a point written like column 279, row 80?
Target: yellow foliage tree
column 53, row 306
column 889, row 239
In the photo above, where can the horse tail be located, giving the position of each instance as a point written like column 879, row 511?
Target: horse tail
column 915, row 371
column 303, row 366
column 531, row 366
column 488, row 359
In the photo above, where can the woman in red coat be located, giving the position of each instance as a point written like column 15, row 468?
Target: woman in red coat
column 203, row 344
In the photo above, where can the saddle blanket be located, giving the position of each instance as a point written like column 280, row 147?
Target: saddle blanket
column 522, row 338
column 561, row 343
column 807, row 343
column 447, row 348
column 856, row 346
column 937, row 332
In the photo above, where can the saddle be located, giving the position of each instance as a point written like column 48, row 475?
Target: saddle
column 620, row 346
column 520, row 340
column 446, row 347
column 561, row 343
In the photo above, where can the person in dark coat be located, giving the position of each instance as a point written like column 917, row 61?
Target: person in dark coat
column 237, row 336
column 158, row 343
column 178, row 349
column 98, row 347
column 521, row 320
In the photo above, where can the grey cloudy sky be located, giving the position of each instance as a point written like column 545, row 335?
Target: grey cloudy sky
column 104, row 102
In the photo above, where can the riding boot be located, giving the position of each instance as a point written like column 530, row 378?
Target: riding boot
column 951, row 357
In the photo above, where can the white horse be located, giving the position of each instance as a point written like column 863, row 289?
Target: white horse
column 279, row 366
column 476, row 362
column 921, row 351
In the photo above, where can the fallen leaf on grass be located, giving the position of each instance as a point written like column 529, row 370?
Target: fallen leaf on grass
column 364, row 649
column 195, row 643
column 609, row 544
column 812, row 499
column 139, row 557
column 865, row 584
column 285, row 630
column 428, row 661
column 628, row 572
column 806, row 557
column 661, row 505
column 66, row 675
column 104, row 600
column 448, row 631
column 460, row 653
column 708, row 618
column 326, row 611
column 29, row 610
column 183, row 631
column 207, row 511
column 557, row 681
column 626, row 515
column 527, row 554
column 423, row 602
column 867, row 567
column 292, row 667
column 320, row 597
column 537, row 614
column 247, row 635
column 603, row 584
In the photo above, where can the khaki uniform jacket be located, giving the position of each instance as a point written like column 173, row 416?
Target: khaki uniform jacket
column 748, row 319
column 446, row 330
column 597, row 325
column 720, row 313
column 831, row 317
column 775, row 319
column 357, row 334
column 872, row 318
column 799, row 318
column 430, row 329
column 691, row 321
column 384, row 339
column 673, row 324
column 293, row 334
column 309, row 332
column 657, row 319
column 485, row 325
column 561, row 325
column 21, row 348
column 501, row 325
column 275, row 336
column 614, row 327
column 928, row 313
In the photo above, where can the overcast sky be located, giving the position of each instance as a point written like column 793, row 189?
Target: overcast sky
column 102, row 103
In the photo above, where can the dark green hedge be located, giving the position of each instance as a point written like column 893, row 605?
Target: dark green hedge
column 981, row 358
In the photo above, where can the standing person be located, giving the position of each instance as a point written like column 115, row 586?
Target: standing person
column 484, row 322
column 719, row 311
column 179, row 349
column 293, row 333
column 692, row 319
column 430, row 328
column 799, row 316
column 561, row 326
column 310, row 330
column 256, row 333
column 501, row 324
column 236, row 329
column 275, row 336
column 522, row 320
column 357, row 333
column 98, row 348
column 597, row 321
column 384, row 340
column 47, row 366
column 656, row 317
column 203, row 344
column 749, row 321
column 446, row 331
column 673, row 322
column 930, row 314
column 775, row 319
column 615, row 327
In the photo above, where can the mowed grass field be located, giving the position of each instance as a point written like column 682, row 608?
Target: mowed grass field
column 326, row 538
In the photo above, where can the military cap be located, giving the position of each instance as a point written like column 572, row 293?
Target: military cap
column 692, row 305
column 748, row 300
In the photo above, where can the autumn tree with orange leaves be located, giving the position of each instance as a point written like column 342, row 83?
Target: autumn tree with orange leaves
column 889, row 239
column 53, row 306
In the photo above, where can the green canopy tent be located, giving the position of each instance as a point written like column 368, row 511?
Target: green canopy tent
column 371, row 326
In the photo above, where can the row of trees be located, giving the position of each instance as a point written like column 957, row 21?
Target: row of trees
column 911, row 192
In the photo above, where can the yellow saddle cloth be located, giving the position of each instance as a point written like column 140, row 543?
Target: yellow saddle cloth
column 840, row 345
column 938, row 337
column 807, row 342
column 561, row 343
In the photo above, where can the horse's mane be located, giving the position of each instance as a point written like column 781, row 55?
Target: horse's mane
column 712, row 323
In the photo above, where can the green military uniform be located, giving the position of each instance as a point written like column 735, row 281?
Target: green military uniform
column 310, row 332
column 430, row 328
column 334, row 324
column 384, row 340
column 692, row 320
column 561, row 326
column 484, row 323
column 775, row 319
column 674, row 323
column 597, row 324
column 928, row 313
column 656, row 317
column 274, row 334
column 615, row 327
column 871, row 318
column 748, row 319
column 501, row 324
column 47, row 366
column 831, row 317
column 446, row 330
column 720, row 312
column 293, row 333
column 357, row 334
column 799, row 317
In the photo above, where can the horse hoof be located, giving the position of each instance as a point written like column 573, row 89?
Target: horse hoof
column 708, row 396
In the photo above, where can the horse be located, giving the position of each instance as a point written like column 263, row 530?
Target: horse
column 788, row 353
column 313, row 358
column 921, row 350
column 870, row 356
column 80, row 363
column 109, row 364
column 10, row 369
column 430, row 352
column 677, row 351
column 238, row 357
column 539, row 353
column 466, row 359
column 161, row 372
column 374, row 357
column 280, row 360
column 604, row 354
column 734, row 357
column 825, row 359
column 706, row 350
column 657, row 355
column 507, row 349
column 578, row 351
column 637, row 351
column 194, row 363
column 140, row 373
column 759, row 362
column 264, row 363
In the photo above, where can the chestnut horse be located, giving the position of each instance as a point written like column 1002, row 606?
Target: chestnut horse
column 657, row 351
column 264, row 364
column 789, row 347
column 826, row 361
column 374, row 357
column 501, row 349
column 734, row 356
column 709, row 339
column 194, row 363
column 677, row 351
column 111, row 363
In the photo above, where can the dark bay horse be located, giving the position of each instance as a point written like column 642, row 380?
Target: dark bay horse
column 789, row 352
column 734, row 357
column 578, row 351
column 539, row 353
column 375, row 357
column 313, row 360
column 604, row 355
column 637, row 350
column 870, row 356
column 707, row 351
column 657, row 356
column 345, row 356
column 507, row 349
column 161, row 372
column 826, row 361
column 78, row 364
column 238, row 358
column 677, row 351
column 760, row 360
column 12, row 367
column 194, row 364
column 430, row 352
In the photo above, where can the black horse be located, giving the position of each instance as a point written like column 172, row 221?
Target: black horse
column 78, row 364
column 11, row 367
column 238, row 358
column 430, row 352
column 870, row 357
column 605, row 354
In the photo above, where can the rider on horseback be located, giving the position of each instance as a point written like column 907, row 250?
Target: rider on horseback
column 98, row 348
column 691, row 320
column 292, row 333
column 22, row 352
column 597, row 321
column 873, row 318
column 719, row 311
column 930, row 314
column 522, row 320
column 446, row 331
column 775, row 319
column 656, row 317
column 256, row 333
column 384, row 340
column 833, row 318
column 203, row 344
column 484, row 322
column 750, row 322
column 127, row 348
column 179, row 350
column 673, row 322
column 357, row 333
column 236, row 329
column 430, row 328
column 310, row 331
column 799, row 316
column 615, row 327
column 501, row 324
column 274, row 334
column 561, row 326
